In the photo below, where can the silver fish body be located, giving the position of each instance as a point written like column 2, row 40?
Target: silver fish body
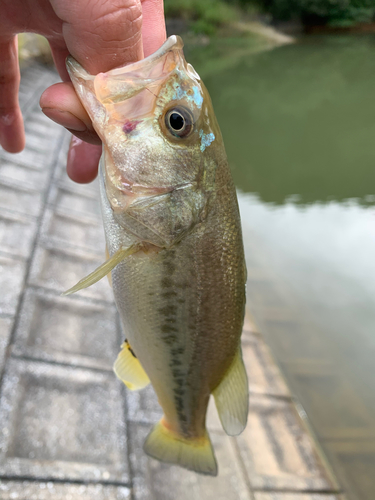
column 169, row 194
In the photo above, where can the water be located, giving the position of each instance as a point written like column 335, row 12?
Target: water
column 299, row 128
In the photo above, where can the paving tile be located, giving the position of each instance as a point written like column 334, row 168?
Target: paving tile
column 277, row 451
column 62, row 423
column 38, row 126
column 296, row 496
column 74, row 230
column 12, row 273
column 45, row 143
column 59, row 270
column 33, row 158
column 24, row 175
column 27, row 490
column 67, row 330
column 67, row 198
column 17, row 233
column 6, row 325
column 90, row 190
column 15, row 198
column 264, row 375
column 153, row 480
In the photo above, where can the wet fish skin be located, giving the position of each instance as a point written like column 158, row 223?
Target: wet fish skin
column 181, row 297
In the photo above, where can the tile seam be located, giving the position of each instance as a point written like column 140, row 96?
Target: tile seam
column 54, row 159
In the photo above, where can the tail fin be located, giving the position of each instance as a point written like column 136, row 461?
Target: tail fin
column 193, row 454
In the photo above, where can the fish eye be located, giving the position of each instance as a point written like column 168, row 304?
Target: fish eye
column 179, row 121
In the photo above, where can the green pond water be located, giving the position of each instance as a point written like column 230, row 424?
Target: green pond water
column 299, row 128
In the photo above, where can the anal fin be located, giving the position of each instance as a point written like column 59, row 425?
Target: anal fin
column 232, row 397
column 128, row 369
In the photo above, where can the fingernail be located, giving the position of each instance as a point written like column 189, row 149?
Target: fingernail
column 65, row 119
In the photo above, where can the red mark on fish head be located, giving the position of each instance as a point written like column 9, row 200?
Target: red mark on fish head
column 130, row 125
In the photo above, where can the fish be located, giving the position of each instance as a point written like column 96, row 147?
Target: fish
column 175, row 251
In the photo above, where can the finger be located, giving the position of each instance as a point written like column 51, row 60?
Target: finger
column 83, row 160
column 12, row 135
column 59, row 54
column 61, row 104
column 153, row 27
column 102, row 35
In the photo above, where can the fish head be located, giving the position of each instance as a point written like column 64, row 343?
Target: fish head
column 161, row 140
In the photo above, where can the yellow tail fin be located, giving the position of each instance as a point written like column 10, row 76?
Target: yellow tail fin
column 193, row 454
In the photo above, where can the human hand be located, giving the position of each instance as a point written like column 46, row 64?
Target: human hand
column 100, row 35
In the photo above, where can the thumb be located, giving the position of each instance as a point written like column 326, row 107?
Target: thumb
column 101, row 35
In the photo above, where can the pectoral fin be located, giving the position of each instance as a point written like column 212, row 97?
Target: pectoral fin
column 128, row 369
column 109, row 275
column 232, row 397
column 104, row 269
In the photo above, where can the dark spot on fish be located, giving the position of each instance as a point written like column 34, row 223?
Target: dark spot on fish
column 175, row 362
column 170, row 321
column 168, row 310
column 169, row 266
column 168, row 328
column 180, row 392
column 166, row 282
column 170, row 339
column 183, row 286
column 179, row 403
column 169, row 294
column 177, row 350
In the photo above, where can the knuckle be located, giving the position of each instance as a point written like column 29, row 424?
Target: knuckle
column 119, row 20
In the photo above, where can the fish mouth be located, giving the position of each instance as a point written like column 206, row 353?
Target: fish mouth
column 174, row 42
column 109, row 87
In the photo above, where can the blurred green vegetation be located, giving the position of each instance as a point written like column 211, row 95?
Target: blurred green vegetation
column 335, row 13
column 206, row 16
column 32, row 46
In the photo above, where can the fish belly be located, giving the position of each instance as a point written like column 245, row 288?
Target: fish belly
column 182, row 311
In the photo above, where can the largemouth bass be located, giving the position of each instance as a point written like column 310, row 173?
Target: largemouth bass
column 175, row 247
